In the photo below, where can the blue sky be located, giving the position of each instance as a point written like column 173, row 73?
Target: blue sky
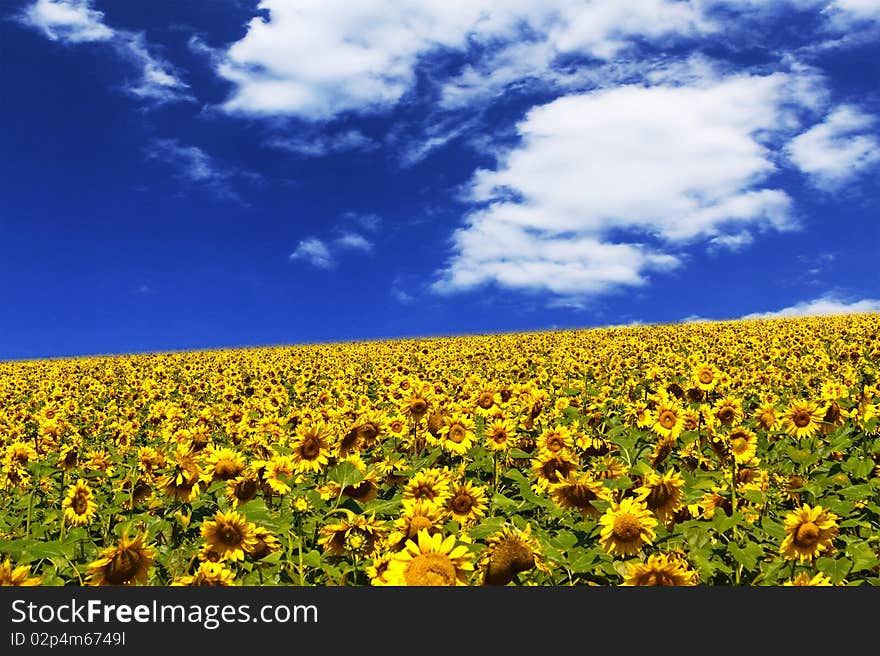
column 180, row 175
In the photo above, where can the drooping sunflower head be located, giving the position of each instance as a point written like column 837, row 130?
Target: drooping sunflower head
column 224, row 463
column 626, row 527
column 608, row 467
column 418, row 515
column 810, row 531
column 509, row 552
column 242, row 489
column 466, row 503
column 230, row 535
column 357, row 535
column 208, row 574
column 10, row 575
column 550, row 468
column 662, row 494
column 267, row 543
column 79, row 505
column 431, row 561
column 579, row 491
column 125, row 563
column 660, row 569
column 804, row 579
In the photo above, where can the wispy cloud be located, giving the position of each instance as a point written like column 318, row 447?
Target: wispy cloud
column 193, row 165
column 75, row 22
column 320, row 145
column 353, row 241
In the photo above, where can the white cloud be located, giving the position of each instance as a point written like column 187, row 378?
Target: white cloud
column 837, row 149
column 75, row 22
column 353, row 241
column 315, row 252
column 317, row 59
column 71, row 21
column 673, row 165
column 830, row 304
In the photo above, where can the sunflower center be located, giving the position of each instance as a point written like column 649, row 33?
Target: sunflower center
column 226, row 469
column 499, row 437
column 508, row 559
column 418, row 407
column 80, row 503
column 246, row 489
column 667, row 419
column 726, row 414
column 229, row 535
column 807, row 535
column 555, row 444
column 706, row 376
column 310, row 448
column 368, row 432
column 457, row 433
column 122, row 567
column 462, row 503
column 658, row 497
column 627, row 528
column 579, row 496
column 430, row 569
column 486, row 400
column 801, row 418
column 739, row 445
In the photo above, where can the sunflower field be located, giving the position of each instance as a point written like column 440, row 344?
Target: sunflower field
column 715, row 453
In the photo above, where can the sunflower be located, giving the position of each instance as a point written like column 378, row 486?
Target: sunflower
column 661, row 451
column 579, row 491
column 356, row 535
column 431, row 561
column 802, row 418
column 467, row 502
column 125, row 563
column 457, row 434
column 551, row 469
column 429, row 484
column 486, row 400
column 660, row 569
column 810, row 531
column 608, row 467
column 705, row 376
column 182, row 482
column 743, row 444
column 229, row 534
column 727, row 411
column 223, row 463
column 242, row 489
column 668, row 419
column 416, row 404
column 311, row 447
column 661, row 494
column 416, row 516
column 276, row 474
column 79, row 505
column 500, row 434
column 804, row 579
column 11, row 575
column 377, row 571
column 767, row 416
column 208, row 574
column 509, row 552
column 363, row 434
column 626, row 527
column 555, row 440
column 267, row 543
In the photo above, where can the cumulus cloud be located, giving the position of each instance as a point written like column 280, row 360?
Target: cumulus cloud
column 74, row 22
column 837, row 149
column 829, row 304
column 320, row 58
column 599, row 177
column 353, row 241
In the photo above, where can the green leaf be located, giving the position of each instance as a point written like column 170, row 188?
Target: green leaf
column 486, row 527
column 864, row 491
column 345, row 473
column 862, row 555
column 565, row 539
column 835, row 569
column 519, row 453
column 746, row 556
